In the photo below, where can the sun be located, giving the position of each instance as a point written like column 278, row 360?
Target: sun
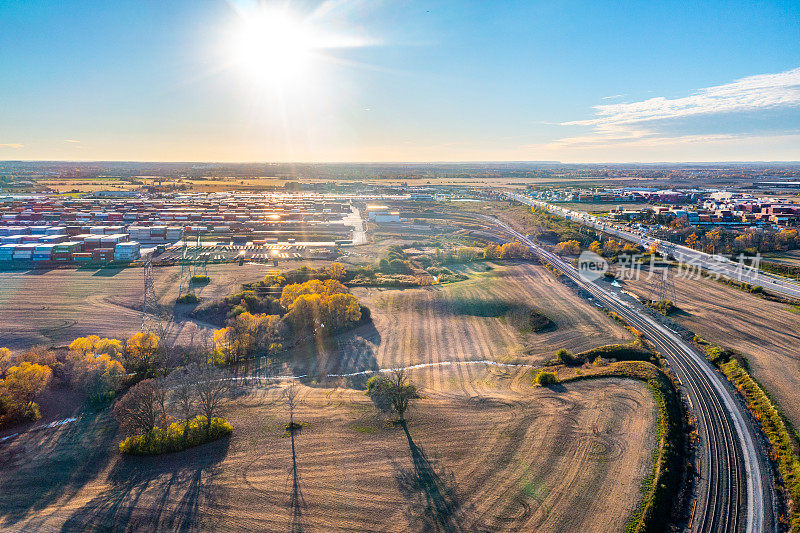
column 274, row 46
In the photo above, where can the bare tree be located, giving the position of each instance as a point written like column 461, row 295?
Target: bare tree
column 290, row 393
column 142, row 409
column 212, row 388
column 296, row 502
column 183, row 383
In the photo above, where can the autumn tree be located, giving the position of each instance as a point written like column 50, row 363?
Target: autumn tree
column 332, row 313
column 247, row 335
column 596, row 247
column 491, row 251
column 571, row 247
column 336, row 271
column 6, row 360
column 143, row 354
column 291, row 292
column 95, row 366
column 513, row 250
column 392, row 393
column 142, row 408
column 22, row 384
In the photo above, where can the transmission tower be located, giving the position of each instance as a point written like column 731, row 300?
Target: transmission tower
column 192, row 261
column 662, row 287
column 151, row 309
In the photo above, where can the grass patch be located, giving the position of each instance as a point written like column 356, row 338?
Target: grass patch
column 200, row 279
column 366, row 430
column 176, row 437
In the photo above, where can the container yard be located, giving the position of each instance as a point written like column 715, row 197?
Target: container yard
column 45, row 231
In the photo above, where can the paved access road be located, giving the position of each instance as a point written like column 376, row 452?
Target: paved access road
column 735, row 491
column 693, row 258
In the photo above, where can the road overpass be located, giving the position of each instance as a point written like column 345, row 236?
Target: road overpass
column 719, row 265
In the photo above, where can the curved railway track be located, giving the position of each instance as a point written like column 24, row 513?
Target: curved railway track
column 734, row 492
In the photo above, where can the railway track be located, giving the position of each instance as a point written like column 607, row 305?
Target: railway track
column 734, row 491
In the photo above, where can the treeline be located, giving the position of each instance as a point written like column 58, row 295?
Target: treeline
column 750, row 241
column 98, row 367
column 173, row 393
column 174, row 412
column 272, row 314
column 555, row 228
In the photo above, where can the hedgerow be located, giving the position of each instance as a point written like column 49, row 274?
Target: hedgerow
column 176, row 437
column 772, row 422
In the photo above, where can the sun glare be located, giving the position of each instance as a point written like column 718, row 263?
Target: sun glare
column 273, row 47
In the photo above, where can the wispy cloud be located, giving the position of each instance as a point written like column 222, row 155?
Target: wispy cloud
column 71, row 141
column 612, row 97
column 640, row 122
column 16, row 146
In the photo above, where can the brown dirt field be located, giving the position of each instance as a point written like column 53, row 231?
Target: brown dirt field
column 56, row 306
column 767, row 333
column 466, row 321
column 791, row 258
column 516, row 458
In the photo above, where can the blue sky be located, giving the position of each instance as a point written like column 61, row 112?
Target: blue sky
column 400, row 81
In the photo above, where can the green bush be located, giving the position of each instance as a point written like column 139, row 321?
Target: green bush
column 176, row 437
column 565, row 357
column 545, row 378
column 188, row 298
column 200, row 279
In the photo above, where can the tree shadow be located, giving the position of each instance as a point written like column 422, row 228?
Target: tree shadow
column 42, row 467
column 434, row 504
column 156, row 493
column 108, row 272
column 296, row 501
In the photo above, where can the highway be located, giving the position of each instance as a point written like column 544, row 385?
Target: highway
column 734, row 491
column 692, row 258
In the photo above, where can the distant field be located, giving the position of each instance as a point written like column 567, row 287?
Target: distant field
column 768, row 333
column 479, row 319
column 511, row 459
column 53, row 307
column 791, row 257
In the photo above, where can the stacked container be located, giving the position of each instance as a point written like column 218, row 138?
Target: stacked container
column 53, row 239
column 174, row 233
column 91, row 242
column 39, row 230
column 7, row 252
column 43, row 252
column 127, row 251
column 63, row 251
column 103, row 254
column 24, row 252
column 11, row 239
column 110, row 241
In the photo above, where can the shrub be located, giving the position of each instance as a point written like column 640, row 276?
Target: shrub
column 188, row 298
column 176, row 437
column 565, row 357
column 200, row 279
column 545, row 378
